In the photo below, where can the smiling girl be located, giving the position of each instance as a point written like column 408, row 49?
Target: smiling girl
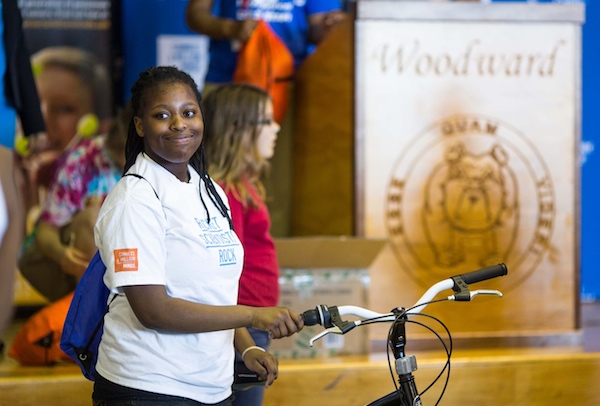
column 174, row 260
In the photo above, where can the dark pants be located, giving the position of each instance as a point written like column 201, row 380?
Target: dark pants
column 107, row 393
column 158, row 400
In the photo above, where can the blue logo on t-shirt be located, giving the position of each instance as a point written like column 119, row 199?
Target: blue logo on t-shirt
column 214, row 236
column 227, row 256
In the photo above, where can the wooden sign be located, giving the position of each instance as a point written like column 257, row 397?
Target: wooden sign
column 468, row 132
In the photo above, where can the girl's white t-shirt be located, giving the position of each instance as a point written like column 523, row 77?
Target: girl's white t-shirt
column 167, row 241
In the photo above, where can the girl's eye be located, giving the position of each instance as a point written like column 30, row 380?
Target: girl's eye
column 161, row 116
column 190, row 113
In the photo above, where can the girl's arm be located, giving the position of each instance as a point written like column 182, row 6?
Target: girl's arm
column 261, row 362
column 157, row 310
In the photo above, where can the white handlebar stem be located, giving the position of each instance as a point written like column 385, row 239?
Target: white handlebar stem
column 431, row 293
column 364, row 313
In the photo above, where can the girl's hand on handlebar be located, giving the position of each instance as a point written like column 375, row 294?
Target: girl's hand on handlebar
column 264, row 364
column 278, row 321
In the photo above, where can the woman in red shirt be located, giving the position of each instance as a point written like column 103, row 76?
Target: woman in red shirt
column 240, row 134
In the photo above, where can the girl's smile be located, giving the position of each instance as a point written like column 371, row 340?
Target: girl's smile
column 172, row 127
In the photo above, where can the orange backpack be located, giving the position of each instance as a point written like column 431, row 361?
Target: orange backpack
column 266, row 62
column 37, row 343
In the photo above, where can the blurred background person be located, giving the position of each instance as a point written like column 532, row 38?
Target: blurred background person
column 301, row 25
column 240, row 134
column 11, row 234
column 228, row 23
column 72, row 84
column 18, row 102
column 61, row 244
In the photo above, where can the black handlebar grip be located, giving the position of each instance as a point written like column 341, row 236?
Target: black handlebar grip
column 311, row 317
column 485, row 273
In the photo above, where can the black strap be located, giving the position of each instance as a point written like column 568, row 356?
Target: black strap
column 99, row 325
column 141, row 177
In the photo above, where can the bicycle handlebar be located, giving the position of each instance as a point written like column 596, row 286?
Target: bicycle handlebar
column 485, row 274
column 331, row 319
column 324, row 316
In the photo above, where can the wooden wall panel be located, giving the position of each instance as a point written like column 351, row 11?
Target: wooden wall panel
column 323, row 177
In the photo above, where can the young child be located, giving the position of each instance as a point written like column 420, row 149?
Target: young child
column 174, row 260
column 61, row 245
column 240, row 135
column 72, row 85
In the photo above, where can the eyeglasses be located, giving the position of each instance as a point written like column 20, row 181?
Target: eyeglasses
column 265, row 121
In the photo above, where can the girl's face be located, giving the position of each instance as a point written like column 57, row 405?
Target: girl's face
column 267, row 132
column 64, row 99
column 171, row 125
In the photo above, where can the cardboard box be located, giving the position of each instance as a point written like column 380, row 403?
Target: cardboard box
column 324, row 270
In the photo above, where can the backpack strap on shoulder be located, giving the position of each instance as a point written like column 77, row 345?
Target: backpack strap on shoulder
column 141, row 177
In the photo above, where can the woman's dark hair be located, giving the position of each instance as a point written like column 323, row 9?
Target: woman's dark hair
column 149, row 81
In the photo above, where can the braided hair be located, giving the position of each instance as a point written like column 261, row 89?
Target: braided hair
column 149, row 80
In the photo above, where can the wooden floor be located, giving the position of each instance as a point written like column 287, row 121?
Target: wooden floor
column 519, row 376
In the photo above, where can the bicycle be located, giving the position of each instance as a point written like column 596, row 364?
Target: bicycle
column 406, row 393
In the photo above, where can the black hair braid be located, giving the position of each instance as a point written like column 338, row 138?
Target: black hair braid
column 198, row 162
column 133, row 146
column 148, row 80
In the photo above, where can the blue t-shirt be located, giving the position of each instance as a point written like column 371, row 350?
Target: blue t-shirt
column 288, row 18
column 8, row 114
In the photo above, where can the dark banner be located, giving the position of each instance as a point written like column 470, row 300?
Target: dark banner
column 92, row 25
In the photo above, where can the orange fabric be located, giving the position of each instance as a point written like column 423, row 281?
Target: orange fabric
column 266, row 62
column 38, row 341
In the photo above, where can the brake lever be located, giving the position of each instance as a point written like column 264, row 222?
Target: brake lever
column 346, row 326
column 332, row 330
column 474, row 293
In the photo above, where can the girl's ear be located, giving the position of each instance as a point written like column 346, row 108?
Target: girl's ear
column 139, row 129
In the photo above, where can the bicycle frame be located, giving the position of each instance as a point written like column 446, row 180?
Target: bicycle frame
column 407, row 395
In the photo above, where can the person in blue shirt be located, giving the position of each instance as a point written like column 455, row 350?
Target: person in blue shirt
column 229, row 23
column 301, row 25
